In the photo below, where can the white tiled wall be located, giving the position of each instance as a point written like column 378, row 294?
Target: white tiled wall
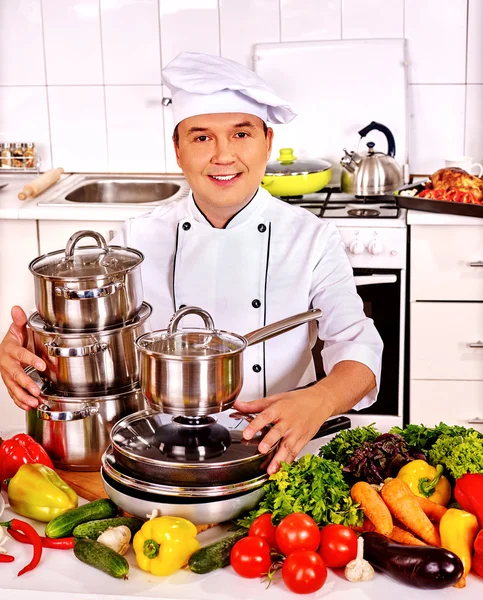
column 82, row 78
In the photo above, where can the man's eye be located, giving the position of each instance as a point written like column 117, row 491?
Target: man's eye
column 241, row 134
column 202, row 138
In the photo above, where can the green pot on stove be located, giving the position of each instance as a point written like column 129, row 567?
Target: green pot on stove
column 288, row 176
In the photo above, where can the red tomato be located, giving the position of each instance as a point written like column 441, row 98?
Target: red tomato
column 250, row 557
column 338, row 545
column 297, row 531
column 304, row 572
column 263, row 527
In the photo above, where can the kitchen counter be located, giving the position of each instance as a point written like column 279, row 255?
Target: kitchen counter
column 60, row 574
column 419, row 217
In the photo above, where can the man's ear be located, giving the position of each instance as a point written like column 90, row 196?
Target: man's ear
column 269, row 141
column 176, row 150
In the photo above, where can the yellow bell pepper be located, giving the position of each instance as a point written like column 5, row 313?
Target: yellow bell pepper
column 164, row 544
column 426, row 481
column 458, row 530
column 37, row 492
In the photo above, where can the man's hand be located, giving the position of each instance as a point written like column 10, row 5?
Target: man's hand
column 14, row 356
column 296, row 417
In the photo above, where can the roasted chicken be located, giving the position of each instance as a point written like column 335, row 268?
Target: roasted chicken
column 455, row 179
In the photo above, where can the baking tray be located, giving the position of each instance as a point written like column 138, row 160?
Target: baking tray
column 436, row 206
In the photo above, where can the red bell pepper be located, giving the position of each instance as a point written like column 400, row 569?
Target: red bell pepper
column 478, row 543
column 477, row 564
column 468, row 493
column 18, row 450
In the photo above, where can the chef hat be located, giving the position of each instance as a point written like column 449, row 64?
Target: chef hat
column 204, row 84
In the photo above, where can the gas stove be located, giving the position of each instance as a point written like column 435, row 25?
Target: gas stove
column 373, row 229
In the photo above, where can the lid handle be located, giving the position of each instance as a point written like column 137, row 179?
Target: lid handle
column 286, row 156
column 76, row 237
column 373, row 125
column 189, row 310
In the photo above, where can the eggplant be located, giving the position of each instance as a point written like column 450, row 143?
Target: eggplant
column 424, row 567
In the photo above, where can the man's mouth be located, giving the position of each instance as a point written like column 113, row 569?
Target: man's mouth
column 224, row 179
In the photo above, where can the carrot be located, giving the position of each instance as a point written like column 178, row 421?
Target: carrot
column 404, row 506
column 373, row 506
column 431, row 509
column 405, row 537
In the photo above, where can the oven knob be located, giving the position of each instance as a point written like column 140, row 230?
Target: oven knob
column 375, row 247
column 356, row 247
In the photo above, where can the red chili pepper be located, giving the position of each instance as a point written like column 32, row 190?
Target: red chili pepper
column 5, row 558
column 468, row 493
column 33, row 536
column 19, row 450
column 477, row 564
column 59, row 543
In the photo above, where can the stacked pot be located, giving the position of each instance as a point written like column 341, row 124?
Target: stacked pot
column 90, row 311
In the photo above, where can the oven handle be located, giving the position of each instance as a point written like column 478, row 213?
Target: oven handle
column 374, row 279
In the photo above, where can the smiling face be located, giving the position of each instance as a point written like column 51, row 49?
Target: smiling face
column 223, row 157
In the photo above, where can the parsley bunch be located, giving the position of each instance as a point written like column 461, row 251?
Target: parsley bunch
column 424, row 438
column 310, row 485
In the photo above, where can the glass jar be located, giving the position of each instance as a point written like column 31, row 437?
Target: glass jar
column 6, row 156
column 29, row 156
column 17, row 155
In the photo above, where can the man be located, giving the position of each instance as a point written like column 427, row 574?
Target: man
column 245, row 257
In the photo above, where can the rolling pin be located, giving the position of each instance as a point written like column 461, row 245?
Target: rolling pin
column 40, row 184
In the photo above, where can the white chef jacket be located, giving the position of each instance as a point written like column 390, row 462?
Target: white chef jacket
column 272, row 260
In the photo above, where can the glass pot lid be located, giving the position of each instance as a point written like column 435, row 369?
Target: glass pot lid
column 86, row 261
column 288, row 164
column 190, row 343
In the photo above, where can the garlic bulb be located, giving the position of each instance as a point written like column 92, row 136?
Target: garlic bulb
column 359, row 569
column 116, row 538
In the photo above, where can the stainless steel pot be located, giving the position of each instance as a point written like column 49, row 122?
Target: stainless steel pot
column 75, row 431
column 195, row 372
column 100, row 362
column 89, row 287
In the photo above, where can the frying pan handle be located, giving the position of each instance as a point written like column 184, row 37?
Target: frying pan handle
column 333, row 426
column 269, row 331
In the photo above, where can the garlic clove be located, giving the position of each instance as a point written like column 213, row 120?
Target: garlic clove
column 116, row 538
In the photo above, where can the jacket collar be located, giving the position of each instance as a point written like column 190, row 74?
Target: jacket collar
column 256, row 206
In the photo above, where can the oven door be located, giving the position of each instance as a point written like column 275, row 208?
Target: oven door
column 383, row 294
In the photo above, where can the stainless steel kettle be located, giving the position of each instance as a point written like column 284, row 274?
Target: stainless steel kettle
column 371, row 173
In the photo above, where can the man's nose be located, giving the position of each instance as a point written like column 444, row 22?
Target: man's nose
column 223, row 153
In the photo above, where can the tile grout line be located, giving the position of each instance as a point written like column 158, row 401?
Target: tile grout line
column 466, row 74
column 104, row 86
column 163, row 120
column 280, row 21
column 46, row 85
column 219, row 26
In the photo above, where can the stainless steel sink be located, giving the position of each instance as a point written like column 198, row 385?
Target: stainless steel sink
column 126, row 190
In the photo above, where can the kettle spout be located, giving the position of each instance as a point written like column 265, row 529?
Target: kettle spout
column 350, row 161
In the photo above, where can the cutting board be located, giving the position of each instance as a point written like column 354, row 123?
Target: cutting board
column 337, row 87
column 87, row 485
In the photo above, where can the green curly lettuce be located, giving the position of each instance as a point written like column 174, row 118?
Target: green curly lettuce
column 458, row 454
column 310, row 485
column 424, row 438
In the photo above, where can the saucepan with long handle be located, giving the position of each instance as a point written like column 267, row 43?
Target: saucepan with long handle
column 199, row 371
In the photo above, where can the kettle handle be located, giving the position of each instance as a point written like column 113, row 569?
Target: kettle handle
column 391, row 144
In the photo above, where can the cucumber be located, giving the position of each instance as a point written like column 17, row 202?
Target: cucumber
column 93, row 529
column 63, row 525
column 215, row 556
column 101, row 557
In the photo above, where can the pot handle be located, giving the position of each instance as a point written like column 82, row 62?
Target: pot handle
column 76, row 237
column 46, row 414
column 54, row 350
column 102, row 292
column 270, row 331
column 391, row 144
column 189, row 310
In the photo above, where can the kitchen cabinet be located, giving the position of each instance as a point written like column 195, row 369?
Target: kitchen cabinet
column 446, row 325
column 53, row 235
column 18, row 246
